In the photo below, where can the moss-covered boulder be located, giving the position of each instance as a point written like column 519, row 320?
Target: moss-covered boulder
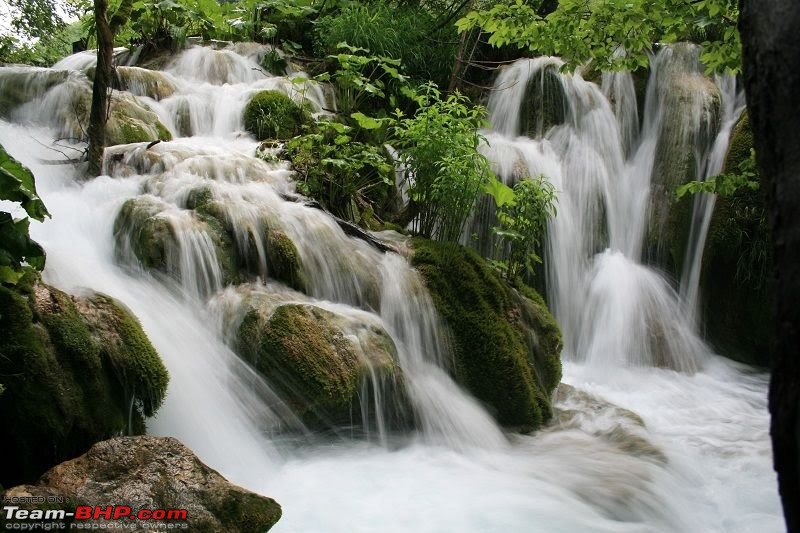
column 737, row 295
column 19, row 85
column 148, row 230
column 75, row 371
column 506, row 344
column 141, row 82
column 150, row 473
column 317, row 359
column 283, row 261
column 273, row 115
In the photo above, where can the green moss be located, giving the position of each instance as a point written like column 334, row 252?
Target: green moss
column 139, row 229
column 273, row 115
column 302, row 353
column 284, row 262
column 63, row 390
column 506, row 346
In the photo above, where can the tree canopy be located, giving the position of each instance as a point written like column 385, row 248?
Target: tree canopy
column 614, row 34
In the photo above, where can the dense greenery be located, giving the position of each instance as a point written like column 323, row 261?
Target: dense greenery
column 18, row 251
column 614, row 34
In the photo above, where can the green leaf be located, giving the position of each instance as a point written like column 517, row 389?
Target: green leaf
column 365, row 122
column 17, row 185
column 500, row 192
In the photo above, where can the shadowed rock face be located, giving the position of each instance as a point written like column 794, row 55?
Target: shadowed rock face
column 153, row 473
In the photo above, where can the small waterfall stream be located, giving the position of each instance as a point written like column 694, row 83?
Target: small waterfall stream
column 649, row 435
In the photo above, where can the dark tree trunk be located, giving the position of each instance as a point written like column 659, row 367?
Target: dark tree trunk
column 772, row 81
column 103, row 77
column 102, row 82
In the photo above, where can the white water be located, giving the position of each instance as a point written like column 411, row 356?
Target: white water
column 701, row 462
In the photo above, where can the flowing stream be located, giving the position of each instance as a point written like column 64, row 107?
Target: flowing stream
column 653, row 432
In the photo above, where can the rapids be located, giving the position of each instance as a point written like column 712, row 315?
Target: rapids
column 648, row 436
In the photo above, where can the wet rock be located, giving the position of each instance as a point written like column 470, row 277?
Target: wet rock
column 153, row 473
column 75, row 371
column 506, row 344
column 317, row 358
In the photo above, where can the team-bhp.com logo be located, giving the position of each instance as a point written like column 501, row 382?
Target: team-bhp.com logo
column 119, row 517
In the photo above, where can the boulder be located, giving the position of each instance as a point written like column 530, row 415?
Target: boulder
column 273, row 115
column 151, row 473
column 545, row 105
column 506, row 344
column 75, row 371
column 316, row 358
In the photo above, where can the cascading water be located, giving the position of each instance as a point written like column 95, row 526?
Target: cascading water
column 676, row 451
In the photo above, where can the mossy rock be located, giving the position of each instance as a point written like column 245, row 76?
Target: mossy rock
column 315, row 358
column 273, row 115
column 19, row 85
column 737, row 294
column 676, row 164
column 283, row 260
column 143, row 231
column 545, row 105
column 75, row 371
column 506, row 344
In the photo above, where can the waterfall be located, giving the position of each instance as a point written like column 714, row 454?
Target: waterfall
column 635, row 445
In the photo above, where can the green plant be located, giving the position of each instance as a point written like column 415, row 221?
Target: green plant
column 350, row 178
column 273, row 115
column 165, row 24
column 412, row 34
column 522, row 214
column 18, row 251
column 579, row 31
column 726, row 183
column 364, row 81
column 439, row 144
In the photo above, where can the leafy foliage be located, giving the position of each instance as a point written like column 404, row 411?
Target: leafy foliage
column 364, row 81
column 439, row 144
column 17, row 249
column 347, row 176
column 409, row 34
column 727, row 183
column 522, row 214
column 599, row 30
column 165, row 24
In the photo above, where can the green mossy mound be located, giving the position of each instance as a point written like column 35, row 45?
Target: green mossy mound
column 283, row 261
column 506, row 343
column 75, row 371
column 737, row 294
column 273, row 115
column 315, row 358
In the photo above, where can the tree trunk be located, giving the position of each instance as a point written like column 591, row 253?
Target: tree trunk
column 102, row 82
column 102, row 79
column 772, row 81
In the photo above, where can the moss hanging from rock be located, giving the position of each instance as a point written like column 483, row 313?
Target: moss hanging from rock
column 273, row 115
column 506, row 344
column 545, row 105
column 75, row 371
